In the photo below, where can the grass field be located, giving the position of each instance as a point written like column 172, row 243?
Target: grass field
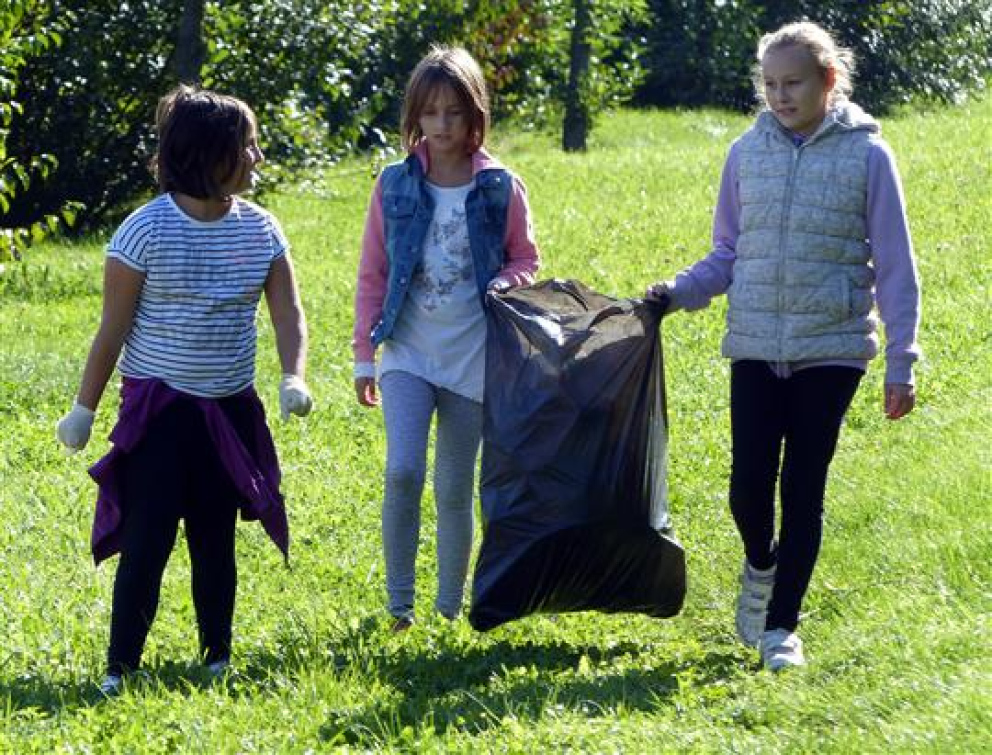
column 897, row 621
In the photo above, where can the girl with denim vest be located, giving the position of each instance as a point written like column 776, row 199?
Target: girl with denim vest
column 444, row 226
column 809, row 235
column 182, row 282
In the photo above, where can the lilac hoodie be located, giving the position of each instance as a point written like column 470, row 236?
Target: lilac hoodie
column 897, row 290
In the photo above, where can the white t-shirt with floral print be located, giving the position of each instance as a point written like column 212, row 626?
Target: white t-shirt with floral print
column 440, row 334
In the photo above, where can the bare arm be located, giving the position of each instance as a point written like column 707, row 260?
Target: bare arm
column 121, row 288
column 288, row 321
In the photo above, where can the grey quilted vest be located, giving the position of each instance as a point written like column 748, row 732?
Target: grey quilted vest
column 802, row 285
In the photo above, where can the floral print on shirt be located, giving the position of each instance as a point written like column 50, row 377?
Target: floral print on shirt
column 447, row 260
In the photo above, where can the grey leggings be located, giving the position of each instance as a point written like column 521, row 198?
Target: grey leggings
column 408, row 403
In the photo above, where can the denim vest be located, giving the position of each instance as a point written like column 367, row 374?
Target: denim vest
column 407, row 209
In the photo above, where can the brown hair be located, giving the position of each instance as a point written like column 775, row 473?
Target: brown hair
column 821, row 45
column 453, row 67
column 202, row 138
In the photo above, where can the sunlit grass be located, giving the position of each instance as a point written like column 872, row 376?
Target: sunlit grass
column 897, row 618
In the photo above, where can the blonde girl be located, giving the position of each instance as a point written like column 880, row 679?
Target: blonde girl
column 809, row 236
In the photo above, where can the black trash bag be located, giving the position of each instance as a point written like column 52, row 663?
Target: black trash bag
column 574, row 489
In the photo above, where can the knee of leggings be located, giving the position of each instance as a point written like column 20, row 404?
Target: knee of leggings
column 405, row 481
column 454, row 500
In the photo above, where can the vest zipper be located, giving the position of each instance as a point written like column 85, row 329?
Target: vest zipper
column 783, row 235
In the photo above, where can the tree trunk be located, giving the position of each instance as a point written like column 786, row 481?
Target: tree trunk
column 576, row 125
column 190, row 49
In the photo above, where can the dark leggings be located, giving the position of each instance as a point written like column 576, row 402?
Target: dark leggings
column 785, row 429
column 175, row 473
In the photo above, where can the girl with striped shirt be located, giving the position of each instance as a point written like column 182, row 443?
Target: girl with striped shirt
column 182, row 283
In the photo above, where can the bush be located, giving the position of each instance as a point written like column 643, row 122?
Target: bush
column 298, row 64
column 325, row 76
column 92, row 104
column 700, row 52
column 25, row 30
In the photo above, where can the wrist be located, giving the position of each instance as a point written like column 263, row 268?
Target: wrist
column 83, row 411
column 364, row 370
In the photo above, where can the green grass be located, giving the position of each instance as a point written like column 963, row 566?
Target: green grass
column 897, row 620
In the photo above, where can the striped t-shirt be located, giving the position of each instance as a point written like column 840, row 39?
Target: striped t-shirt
column 194, row 325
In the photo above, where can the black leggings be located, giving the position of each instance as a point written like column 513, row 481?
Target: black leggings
column 175, row 473
column 787, row 429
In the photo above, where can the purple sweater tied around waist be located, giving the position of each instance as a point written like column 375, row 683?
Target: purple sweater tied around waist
column 254, row 471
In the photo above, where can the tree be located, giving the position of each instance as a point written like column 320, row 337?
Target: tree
column 576, row 123
column 700, row 53
column 92, row 106
column 190, row 48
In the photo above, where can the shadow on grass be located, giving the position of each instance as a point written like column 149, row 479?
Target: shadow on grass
column 47, row 696
column 255, row 670
column 471, row 690
column 444, row 685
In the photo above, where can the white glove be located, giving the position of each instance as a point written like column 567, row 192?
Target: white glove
column 294, row 397
column 498, row 285
column 73, row 430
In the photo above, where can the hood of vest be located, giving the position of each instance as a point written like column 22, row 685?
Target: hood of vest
column 843, row 116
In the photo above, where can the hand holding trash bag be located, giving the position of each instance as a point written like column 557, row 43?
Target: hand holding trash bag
column 661, row 293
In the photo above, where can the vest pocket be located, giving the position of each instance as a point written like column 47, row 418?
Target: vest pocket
column 398, row 206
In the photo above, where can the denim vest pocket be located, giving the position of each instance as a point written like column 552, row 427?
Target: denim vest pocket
column 398, row 205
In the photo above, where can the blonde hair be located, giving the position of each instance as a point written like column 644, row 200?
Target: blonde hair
column 453, row 67
column 827, row 54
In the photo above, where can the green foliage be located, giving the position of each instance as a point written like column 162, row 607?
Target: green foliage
column 936, row 50
column 92, row 106
column 306, row 63
column 25, row 30
column 298, row 63
column 701, row 53
column 326, row 78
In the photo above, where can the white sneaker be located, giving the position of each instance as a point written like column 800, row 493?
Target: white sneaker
column 781, row 649
column 752, row 603
column 112, row 685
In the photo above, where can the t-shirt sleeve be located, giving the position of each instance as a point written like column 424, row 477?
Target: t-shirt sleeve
column 280, row 244
column 133, row 241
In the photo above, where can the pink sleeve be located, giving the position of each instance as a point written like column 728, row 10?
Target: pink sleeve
column 522, row 255
column 897, row 285
column 711, row 276
column 370, row 290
